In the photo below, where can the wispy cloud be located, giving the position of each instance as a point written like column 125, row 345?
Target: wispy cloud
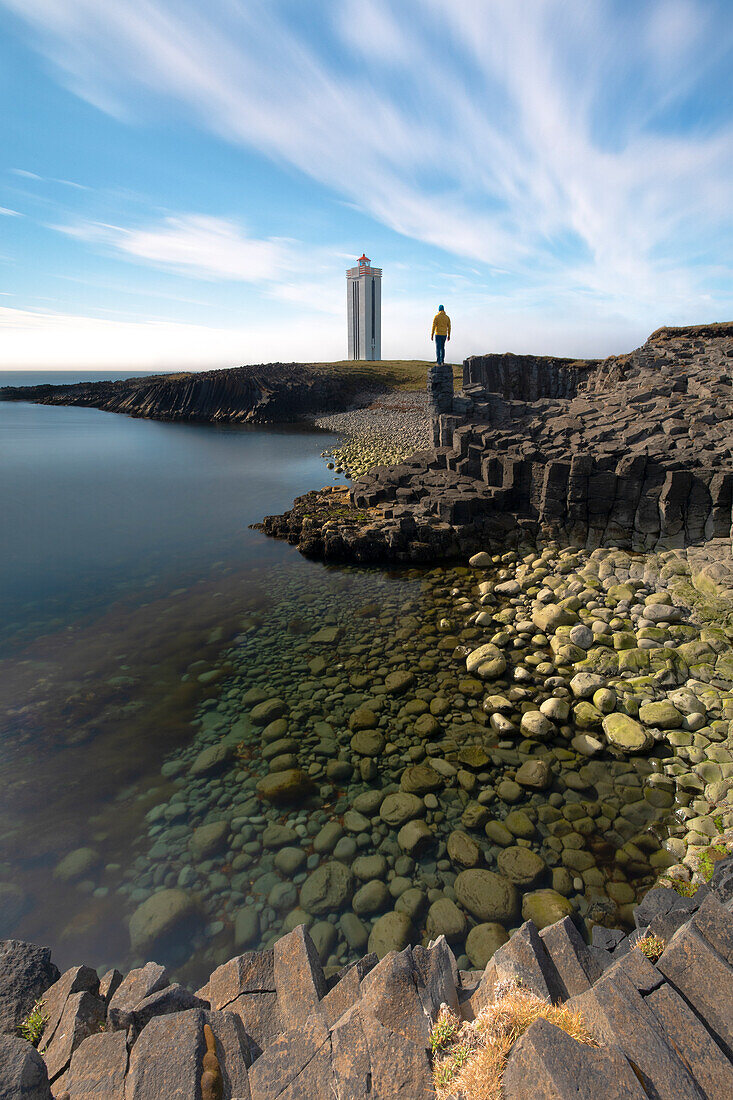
column 210, row 248
column 220, row 249
column 6, row 212
column 553, row 139
column 25, row 174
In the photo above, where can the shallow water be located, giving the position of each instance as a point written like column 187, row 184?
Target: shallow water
column 381, row 623
column 142, row 623
column 125, row 556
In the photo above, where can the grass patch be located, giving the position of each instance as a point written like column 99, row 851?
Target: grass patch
column 444, row 1031
column 651, row 946
column 684, row 889
column 707, row 859
column 469, row 1059
column 397, row 374
column 32, row 1027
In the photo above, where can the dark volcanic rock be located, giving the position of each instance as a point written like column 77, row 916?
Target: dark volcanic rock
column 83, row 1015
column 23, row 1073
column 527, row 377
column 139, row 984
column 661, row 1030
column 174, row 998
column 26, row 972
column 633, row 451
column 256, row 394
column 558, row 1066
column 79, row 979
column 98, row 1067
column 166, row 1060
column 298, row 977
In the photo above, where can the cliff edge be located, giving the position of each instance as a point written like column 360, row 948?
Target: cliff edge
column 256, row 394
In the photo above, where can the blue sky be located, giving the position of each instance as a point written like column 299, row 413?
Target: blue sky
column 182, row 184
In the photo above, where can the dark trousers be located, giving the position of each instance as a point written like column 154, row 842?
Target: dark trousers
column 439, row 348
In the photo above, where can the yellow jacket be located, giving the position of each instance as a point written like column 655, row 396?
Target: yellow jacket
column 441, row 325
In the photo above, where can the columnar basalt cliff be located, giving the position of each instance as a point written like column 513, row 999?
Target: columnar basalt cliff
column 527, row 377
column 266, row 393
column 632, row 451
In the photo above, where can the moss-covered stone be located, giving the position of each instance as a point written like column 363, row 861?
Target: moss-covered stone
column 626, row 734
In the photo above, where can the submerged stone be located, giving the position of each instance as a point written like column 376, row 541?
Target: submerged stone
column 446, row 919
column 415, row 837
column 391, row 932
column 487, row 896
column 77, row 864
column 327, row 889
column 420, row 779
column 521, row 865
column 535, row 774
column 368, row 742
column 291, row 785
column 663, row 715
column 463, row 849
column 161, row 918
column 396, row 683
column 545, row 907
column 267, row 712
column 482, row 941
column 363, row 719
column 400, row 807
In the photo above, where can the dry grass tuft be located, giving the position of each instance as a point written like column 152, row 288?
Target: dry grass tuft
column 471, row 1057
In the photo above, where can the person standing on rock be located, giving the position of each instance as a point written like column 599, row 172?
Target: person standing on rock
column 441, row 333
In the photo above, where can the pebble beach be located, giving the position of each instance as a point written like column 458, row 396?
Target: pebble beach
column 385, row 430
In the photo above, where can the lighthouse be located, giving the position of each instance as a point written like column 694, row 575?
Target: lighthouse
column 364, row 310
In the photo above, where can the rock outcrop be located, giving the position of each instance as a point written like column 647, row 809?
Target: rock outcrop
column 528, row 377
column 266, row 393
column 658, row 1004
column 634, row 452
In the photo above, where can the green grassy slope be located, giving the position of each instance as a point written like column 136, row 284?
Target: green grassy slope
column 399, row 374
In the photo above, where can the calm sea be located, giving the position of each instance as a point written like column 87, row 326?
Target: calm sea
column 125, row 557
column 93, row 504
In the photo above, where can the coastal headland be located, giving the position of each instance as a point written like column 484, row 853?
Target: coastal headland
column 268, row 393
column 633, row 451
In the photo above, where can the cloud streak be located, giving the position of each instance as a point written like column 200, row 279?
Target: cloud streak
column 551, row 139
column 25, row 174
column 196, row 244
column 219, row 249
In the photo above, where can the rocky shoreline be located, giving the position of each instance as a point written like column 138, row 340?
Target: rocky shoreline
column 634, row 451
column 653, row 1011
column 259, row 394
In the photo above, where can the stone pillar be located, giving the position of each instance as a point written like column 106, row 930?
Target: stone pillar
column 440, row 389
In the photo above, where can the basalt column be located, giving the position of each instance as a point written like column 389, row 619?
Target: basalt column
column 440, row 389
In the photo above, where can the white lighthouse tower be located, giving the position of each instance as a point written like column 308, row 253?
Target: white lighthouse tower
column 364, row 309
